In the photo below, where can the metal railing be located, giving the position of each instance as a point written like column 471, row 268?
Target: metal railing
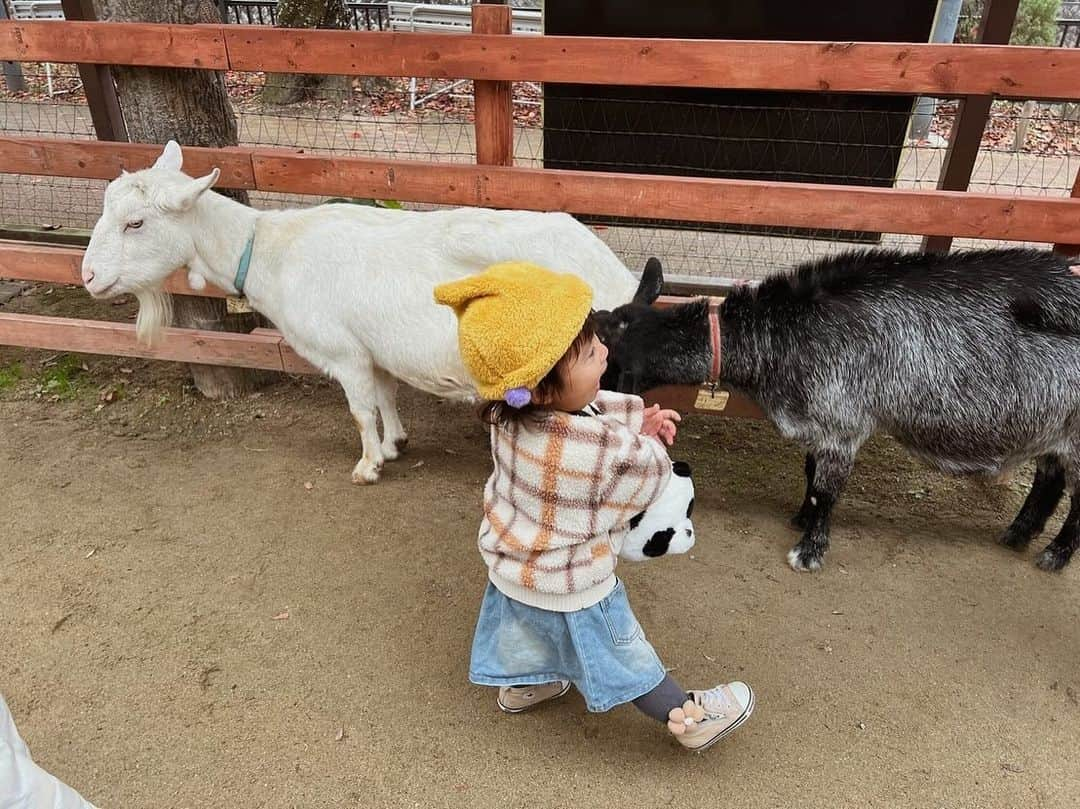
column 363, row 16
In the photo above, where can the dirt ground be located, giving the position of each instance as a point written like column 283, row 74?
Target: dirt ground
column 199, row 609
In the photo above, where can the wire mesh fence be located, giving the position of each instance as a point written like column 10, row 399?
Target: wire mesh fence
column 1029, row 149
column 362, row 16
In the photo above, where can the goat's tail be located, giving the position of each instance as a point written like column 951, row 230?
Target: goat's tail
column 155, row 313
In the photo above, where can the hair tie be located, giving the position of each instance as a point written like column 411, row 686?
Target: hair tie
column 517, row 398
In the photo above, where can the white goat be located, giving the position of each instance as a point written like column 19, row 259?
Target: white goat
column 349, row 286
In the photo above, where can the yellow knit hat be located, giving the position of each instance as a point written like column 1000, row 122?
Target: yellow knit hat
column 515, row 322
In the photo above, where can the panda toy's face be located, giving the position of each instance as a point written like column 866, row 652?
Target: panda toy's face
column 664, row 527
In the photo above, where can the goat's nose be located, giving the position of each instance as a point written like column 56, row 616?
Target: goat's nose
column 87, row 275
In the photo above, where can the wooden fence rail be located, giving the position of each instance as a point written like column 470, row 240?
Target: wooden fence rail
column 947, row 213
column 841, row 67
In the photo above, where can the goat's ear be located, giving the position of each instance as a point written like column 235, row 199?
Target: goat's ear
column 601, row 319
column 652, row 280
column 185, row 197
column 609, row 327
column 171, row 158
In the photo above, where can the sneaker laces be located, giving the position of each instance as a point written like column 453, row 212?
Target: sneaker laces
column 717, row 703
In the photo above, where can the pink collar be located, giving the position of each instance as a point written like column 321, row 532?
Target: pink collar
column 714, row 341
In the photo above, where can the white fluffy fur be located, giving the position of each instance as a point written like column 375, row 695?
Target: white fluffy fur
column 349, row 286
column 668, row 511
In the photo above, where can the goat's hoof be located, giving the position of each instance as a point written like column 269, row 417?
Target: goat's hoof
column 803, row 560
column 1014, row 539
column 1051, row 560
column 364, row 474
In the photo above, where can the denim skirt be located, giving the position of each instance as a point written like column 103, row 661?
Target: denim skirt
column 601, row 649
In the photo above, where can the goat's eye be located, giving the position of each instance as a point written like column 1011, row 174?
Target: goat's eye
column 133, row 225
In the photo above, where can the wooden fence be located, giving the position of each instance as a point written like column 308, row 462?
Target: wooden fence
column 493, row 59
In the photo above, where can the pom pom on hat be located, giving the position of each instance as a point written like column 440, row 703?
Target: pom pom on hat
column 518, row 397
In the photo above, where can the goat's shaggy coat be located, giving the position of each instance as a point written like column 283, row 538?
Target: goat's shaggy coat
column 970, row 360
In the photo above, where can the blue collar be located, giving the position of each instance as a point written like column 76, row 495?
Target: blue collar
column 242, row 267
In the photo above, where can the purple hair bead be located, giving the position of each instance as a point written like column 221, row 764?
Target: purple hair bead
column 518, row 397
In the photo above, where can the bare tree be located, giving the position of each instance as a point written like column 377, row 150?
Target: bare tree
column 290, row 88
column 192, row 107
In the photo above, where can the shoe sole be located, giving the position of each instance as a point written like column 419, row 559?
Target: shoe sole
column 529, row 707
column 738, row 723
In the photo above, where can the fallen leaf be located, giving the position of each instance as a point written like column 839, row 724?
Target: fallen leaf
column 417, row 465
column 309, row 485
column 710, row 659
column 61, row 622
column 92, row 552
column 340, row 734
column 281, row 616
column 204, row 676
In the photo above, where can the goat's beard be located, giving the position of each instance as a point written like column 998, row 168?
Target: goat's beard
column 155, row 313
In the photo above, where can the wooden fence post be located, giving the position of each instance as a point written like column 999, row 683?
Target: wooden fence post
column 1071, row 249
column 995, row 28
column 13, row 76
column 494, row 107
column 98, row 83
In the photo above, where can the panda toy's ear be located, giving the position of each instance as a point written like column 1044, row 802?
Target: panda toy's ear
column 659, row 543
column 664, row 527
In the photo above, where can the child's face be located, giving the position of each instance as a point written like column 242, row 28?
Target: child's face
column 581, row 379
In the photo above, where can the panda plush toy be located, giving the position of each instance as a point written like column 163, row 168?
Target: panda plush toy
column 664, row 527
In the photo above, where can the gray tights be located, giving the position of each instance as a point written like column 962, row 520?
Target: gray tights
column 661, row 699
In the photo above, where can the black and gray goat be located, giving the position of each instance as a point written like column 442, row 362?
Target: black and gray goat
column 970, row 360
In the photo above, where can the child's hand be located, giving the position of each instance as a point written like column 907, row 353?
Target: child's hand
column 660, row 424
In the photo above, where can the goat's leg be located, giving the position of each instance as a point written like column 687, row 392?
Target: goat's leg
column 1042, row 500
column 1058, row 553
column 831, row 470
column 394, row 436
column 358, row 380
column 801, row 520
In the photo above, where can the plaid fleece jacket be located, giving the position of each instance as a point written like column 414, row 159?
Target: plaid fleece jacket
column 559, row 503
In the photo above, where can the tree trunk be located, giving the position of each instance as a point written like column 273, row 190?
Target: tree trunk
column 290, row 88
column 192, row 107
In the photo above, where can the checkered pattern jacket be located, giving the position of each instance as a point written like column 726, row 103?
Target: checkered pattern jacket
column 559, row 502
